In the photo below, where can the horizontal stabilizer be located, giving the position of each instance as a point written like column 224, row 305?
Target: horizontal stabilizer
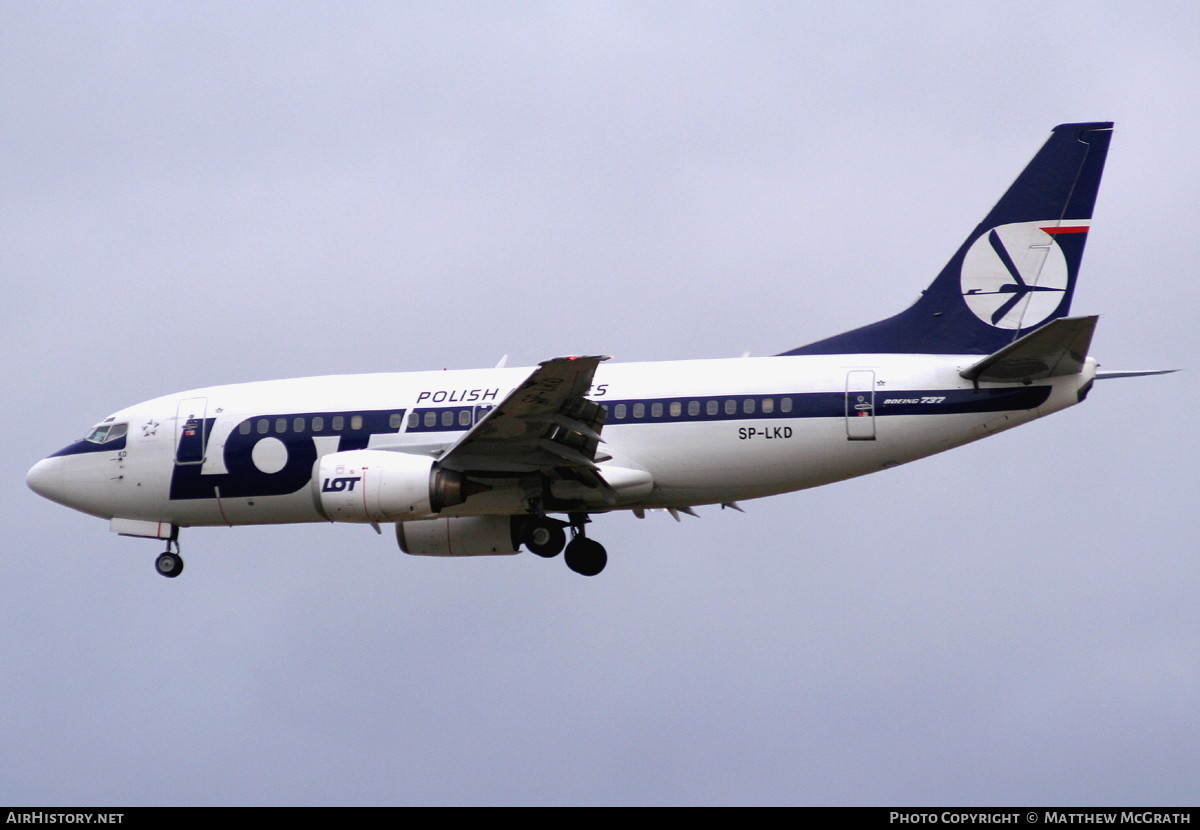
column 1133, row 374
column 1057, row 348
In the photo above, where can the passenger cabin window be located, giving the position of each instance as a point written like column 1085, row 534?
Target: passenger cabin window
column 395, row 420
column 356, row 422
column 338, row 423
column 318, row 423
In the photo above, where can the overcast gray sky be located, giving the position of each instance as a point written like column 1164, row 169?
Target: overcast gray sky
column 203, row 193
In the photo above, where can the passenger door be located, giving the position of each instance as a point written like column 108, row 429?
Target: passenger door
column 860, row 405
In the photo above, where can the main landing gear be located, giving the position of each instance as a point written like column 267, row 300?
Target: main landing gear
column 169, row 563
column 545, row 537
column 548, row 537
column 585, row 556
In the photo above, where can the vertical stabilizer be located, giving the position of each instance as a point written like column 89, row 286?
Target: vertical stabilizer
column 1017, row 269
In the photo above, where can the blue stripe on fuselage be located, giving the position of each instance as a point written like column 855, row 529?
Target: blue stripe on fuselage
column 773, row 407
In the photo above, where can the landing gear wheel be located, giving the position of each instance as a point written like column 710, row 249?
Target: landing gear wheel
column 545, row 537
column 586, row 557
column 169, row 564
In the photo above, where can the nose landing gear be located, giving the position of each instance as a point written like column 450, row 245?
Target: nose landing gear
column 169, row 563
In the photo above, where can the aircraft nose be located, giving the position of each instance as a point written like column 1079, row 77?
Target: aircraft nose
column 46, row 479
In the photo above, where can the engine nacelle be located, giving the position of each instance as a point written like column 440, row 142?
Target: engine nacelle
column 383, row 486
column 459, row 536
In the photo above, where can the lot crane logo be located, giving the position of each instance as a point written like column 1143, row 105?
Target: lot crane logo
column 1015, row 276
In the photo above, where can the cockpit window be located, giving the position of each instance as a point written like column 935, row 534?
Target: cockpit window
column 106, row 432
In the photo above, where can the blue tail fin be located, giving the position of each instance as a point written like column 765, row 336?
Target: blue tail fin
column 1014, row 273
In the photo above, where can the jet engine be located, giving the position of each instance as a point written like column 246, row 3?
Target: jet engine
column 383, row 486
column 459, row 536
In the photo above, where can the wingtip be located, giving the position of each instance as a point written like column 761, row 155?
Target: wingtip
column 571, row 358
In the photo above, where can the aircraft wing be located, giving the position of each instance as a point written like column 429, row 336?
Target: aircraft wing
column 543, row 424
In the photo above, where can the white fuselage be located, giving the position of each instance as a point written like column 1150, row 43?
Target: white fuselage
column 696, row 432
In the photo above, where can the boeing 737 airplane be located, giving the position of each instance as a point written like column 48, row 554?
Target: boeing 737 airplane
column 483, row 462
